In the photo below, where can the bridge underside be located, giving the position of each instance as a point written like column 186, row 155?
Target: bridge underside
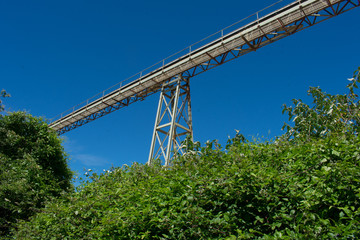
column 286, row 21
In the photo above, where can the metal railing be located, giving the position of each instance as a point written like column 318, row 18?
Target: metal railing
column 182, row 53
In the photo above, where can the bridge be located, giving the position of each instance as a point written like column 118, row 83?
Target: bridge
column 171, row 76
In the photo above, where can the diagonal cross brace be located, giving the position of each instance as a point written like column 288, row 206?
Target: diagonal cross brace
column 173, row 120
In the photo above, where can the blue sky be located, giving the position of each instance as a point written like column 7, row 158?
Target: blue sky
column 55, row 54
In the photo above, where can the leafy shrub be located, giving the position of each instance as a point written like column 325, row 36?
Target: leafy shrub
column 330, row 114
column 309, row 190
column 33, row 167
column 303, row 185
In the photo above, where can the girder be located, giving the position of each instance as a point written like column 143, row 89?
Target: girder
column 173, row 120
column 279, row 24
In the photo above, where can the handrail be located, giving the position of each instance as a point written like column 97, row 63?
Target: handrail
column 164, row 62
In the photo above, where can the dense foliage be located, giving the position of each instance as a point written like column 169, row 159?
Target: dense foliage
column 301, row 191
column 33, row 167
column 303, row 185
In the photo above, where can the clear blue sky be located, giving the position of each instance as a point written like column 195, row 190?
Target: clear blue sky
column 55, row 54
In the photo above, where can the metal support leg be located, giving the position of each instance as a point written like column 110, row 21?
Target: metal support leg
column 173, row 120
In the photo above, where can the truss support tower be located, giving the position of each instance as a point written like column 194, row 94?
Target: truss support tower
column 173, row 120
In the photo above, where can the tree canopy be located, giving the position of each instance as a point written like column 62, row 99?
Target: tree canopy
column 33, row 167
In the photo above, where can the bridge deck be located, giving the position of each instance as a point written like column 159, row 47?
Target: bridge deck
column 260, row 32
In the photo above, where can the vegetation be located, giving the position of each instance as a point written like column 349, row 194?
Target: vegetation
column 330, row 114
column 289, row 191
column 33, row 167
column 303, row 185
column 3, row 94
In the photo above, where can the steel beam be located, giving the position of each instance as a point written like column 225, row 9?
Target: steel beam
column 173, row 120
column 279, row 24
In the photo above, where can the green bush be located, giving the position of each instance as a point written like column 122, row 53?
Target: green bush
column 262, row 190
column 303, row 185
column 33, row 167
column 329, row 114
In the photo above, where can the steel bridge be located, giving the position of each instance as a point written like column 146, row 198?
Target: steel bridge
column 171, row 76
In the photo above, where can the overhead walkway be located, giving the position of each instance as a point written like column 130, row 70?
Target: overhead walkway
column 238, row 39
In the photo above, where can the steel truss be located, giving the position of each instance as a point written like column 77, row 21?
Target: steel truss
column 110, row 108
column 173, row 120
column 283, row 31
column 260, row 36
